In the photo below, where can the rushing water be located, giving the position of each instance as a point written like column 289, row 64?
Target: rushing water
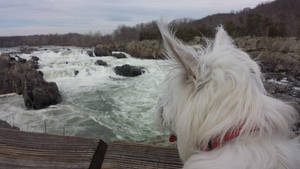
column 96, row 102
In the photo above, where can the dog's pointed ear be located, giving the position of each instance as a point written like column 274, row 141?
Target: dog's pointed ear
column 222, row 39
column 175, row 49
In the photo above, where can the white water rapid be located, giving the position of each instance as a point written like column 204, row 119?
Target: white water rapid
column 96, row 102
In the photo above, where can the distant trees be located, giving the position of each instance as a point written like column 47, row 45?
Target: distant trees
column 70, row 39
column 125, row 34
column 148, row 31
column 187, row 32
column 253, row 24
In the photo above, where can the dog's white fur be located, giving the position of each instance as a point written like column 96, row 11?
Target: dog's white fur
column 215, row 89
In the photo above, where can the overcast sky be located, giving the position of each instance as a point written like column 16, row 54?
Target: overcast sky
column 27, row 17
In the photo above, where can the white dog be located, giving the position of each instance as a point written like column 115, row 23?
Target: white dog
column 217, row 106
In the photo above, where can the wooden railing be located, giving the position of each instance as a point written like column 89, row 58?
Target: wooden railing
column 25, row 150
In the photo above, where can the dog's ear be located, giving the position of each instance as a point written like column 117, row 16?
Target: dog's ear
column 222, row 39
column 175, row 49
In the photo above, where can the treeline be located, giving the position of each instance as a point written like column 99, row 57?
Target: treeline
column 70, row 39
column 275, row 18
column 279, row 18
column 242, row 24
column 256, row 25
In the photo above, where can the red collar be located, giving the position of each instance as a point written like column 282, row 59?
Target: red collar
column 172, row 138
column 216, row 141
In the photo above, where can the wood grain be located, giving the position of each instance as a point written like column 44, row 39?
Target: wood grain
column 24, row 150
column 121, row 155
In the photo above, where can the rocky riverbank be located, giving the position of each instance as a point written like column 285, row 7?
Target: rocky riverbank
column 275, row 55
column 279, row 59
column 21, row 76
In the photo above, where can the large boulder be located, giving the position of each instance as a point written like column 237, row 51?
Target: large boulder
column 129, row 71
column 41, row 96
column 22, row 77
column 103, row 50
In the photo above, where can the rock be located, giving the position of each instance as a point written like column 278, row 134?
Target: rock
column 101, row 63
column 21, row 60
column 76, row 72
column 102, row 50
column 4, row 124
column 129, row 71
column 119, row 55
column 284, row 91
column 276, row 88
column 35, row 58
column 22, row 77
column 34, row 65
column 33, row 62
column 41, row 73
column 41, row 96
column 287, row 93
column 12, row 59
column 6, row 83
column 90, row 53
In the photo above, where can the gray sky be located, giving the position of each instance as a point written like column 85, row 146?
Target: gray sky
column 26, row 17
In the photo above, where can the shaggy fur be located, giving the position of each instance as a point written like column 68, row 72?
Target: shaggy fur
column 214, row 89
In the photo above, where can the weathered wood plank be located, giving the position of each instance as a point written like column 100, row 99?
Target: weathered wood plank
column 121, row 155
column 24, row 150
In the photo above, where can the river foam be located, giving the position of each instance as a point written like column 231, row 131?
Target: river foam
column 96, row 102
